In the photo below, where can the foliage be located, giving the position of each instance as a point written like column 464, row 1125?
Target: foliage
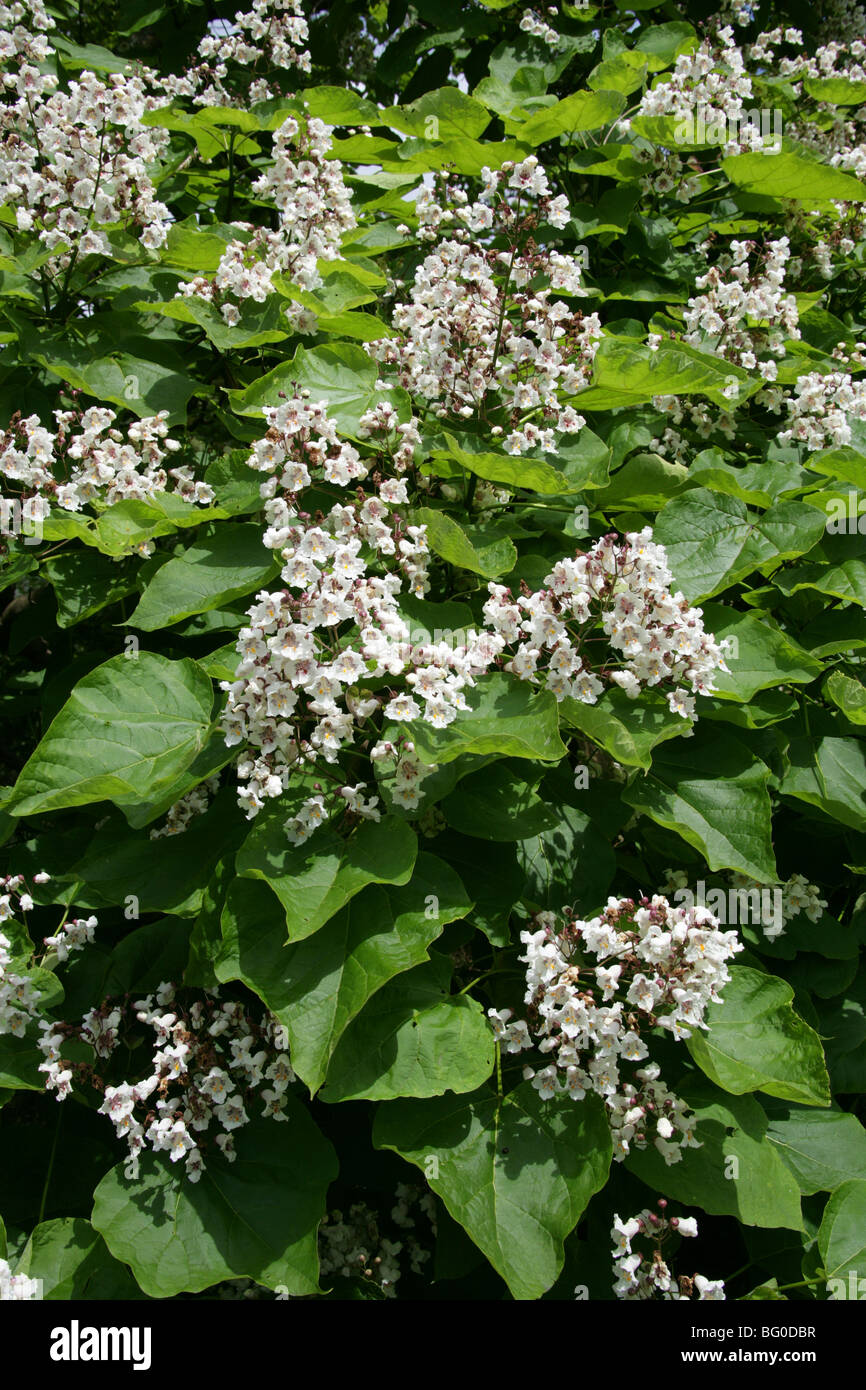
column 433, row 467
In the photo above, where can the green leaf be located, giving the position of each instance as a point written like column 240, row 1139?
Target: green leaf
column 662, row 43
column 313, row 881
column 843, row 465
column 132, row 383
column 167, row 874
column 19, row 1064
column 579, row 111
column 645, row 482
column 192, row 248
column 830, row 774
column 90, row 56
column 86, row 582
column 849, row 695
column 765, row 656
column 758, row 1189
column 842, row 1237
column 213, row 756
column 497, row 804
column 625, row 72
column 712, row 792
column 756, row 1042
column 71, row 1259
column 838, row 91
column 627, row 729
column 497, row 880
column 505, row 716
column 256, row 1218
column 433, row 622
column 485, row 550
column 258, row 323
column 342, row 374
column 319, row 985
column 712, row 540
column 413, row 1038
column 340, row 106
column 629, row 373
column 213, row 571
column 572, row 862
column 792, row 176
column 454, row 113
column 123, row 527
column 128, row 729
column 822, row 1148
column 516, row 1176
column 533, row 475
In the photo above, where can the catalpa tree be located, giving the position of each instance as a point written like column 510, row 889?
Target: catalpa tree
column 433, row 468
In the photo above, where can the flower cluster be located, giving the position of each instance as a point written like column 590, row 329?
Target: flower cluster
column 19, row 997
column 595, row 990
column 72, row 936
column 644, row 1272
column 298, row 693
column 271, row 34
column 314, row 210
column 22, row 31
column 667, row 172
column 75, row 163
column 481, row 330
column 353, row 1244
column 17, row 1288
column 659, row 637
column 86, row 459
column 194, row 803
column 208, row 1065
column 532, row 23
column 819, row 413
column 829, row 60
column 795, row 896
column 710, row 85
column 736, row 297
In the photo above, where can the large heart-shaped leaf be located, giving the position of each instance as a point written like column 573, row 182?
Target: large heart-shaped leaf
column 256, row 1218
column 128, row 729
column 516, row 1174
column 413, row 1039
column 313, row 881
column 756, row 1042
column 319, row 985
